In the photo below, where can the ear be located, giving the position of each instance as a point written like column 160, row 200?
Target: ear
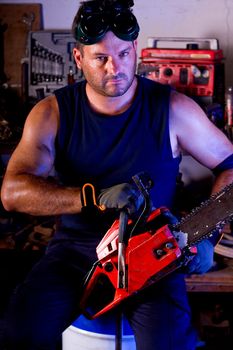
column 77, row 57
column 135, row 44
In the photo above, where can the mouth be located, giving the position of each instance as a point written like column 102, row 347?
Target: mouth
column 115, row 80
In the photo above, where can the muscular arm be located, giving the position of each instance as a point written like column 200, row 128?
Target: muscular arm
column 26, row 187
column 192, row 132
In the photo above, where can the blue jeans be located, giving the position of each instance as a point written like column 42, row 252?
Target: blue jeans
column 47, row 302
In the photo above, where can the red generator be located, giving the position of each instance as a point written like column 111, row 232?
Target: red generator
column 192, row 66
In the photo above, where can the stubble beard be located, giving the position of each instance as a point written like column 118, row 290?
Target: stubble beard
column 108, row 89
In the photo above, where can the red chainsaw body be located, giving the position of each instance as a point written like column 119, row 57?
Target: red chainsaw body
column 146, row 255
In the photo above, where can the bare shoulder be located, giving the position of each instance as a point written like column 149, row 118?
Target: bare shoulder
column 182, row 105
column 44, row 112
column 192, row 131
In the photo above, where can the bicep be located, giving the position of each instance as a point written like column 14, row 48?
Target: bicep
column 197, row 135
column 30, row 158
column 35, row 152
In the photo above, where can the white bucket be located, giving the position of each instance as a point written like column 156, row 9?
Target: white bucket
column 98, row 334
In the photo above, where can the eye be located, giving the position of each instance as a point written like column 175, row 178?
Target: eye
column 124, row 53
column 101, row 58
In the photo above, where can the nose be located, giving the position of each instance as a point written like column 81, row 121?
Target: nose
column 112, row 66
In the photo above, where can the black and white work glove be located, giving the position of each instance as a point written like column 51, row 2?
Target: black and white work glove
column 203, row 259
column 122, row 196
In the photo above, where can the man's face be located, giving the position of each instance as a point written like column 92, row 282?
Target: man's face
column 109, row 65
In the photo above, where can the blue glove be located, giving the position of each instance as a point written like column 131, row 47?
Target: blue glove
column 203, row 260
column 122, row 196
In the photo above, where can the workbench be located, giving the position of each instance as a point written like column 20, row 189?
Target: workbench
column 216, row 281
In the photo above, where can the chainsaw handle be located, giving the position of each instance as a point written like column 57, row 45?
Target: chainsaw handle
column 123, row 221
column 143, row 183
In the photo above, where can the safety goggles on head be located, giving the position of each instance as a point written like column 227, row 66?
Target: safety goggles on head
column 99, row 16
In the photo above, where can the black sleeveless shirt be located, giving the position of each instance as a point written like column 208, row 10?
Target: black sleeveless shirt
column 107, row 150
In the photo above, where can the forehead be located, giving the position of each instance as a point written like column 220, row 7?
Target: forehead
column 110, row 43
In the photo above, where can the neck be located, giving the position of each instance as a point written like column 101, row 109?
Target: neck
column 111, row 105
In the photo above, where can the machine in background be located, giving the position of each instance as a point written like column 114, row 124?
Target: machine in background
column 193, row 66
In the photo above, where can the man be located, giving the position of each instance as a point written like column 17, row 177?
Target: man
column 104, row 130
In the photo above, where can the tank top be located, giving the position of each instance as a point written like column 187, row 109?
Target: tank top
column 108, row 150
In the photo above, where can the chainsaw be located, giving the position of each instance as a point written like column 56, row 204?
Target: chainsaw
column 134, row 255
